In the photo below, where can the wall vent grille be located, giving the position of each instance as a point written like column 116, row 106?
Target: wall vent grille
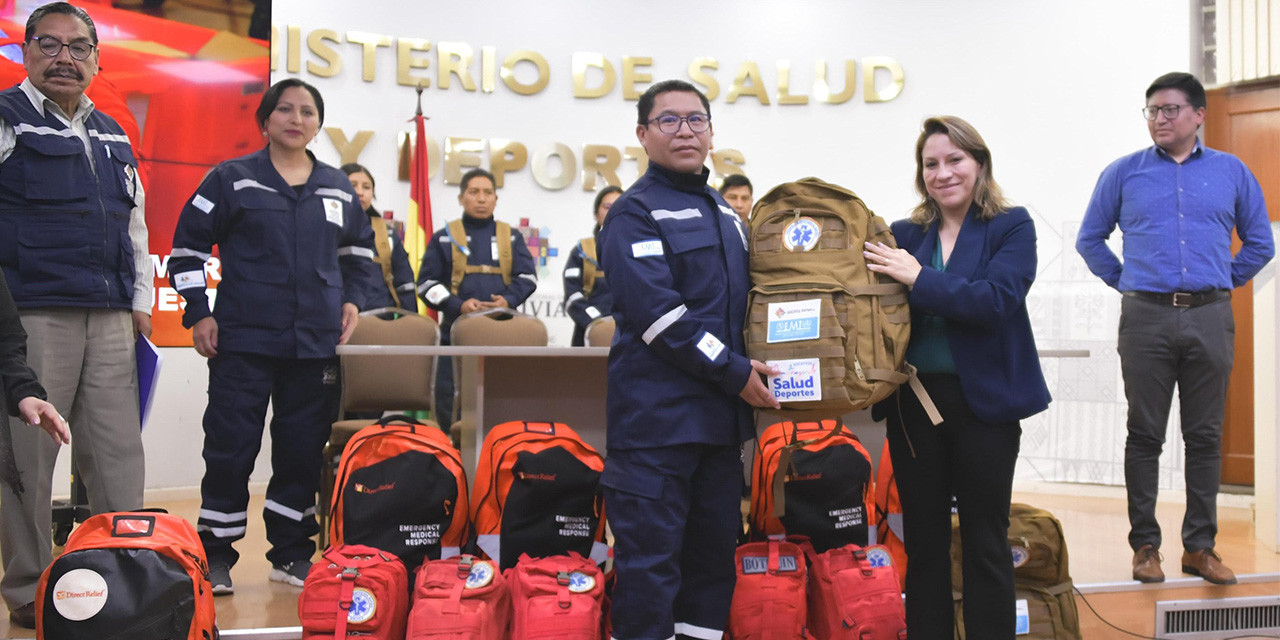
column 1217, row 618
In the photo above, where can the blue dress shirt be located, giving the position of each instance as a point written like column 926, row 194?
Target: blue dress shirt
column 1177, row 220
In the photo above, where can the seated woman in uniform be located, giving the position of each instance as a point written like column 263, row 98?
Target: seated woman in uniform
column 297, row 260
column 395, row 288
column 969, row 257
column 586, row 294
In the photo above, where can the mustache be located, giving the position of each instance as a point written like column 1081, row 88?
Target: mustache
column 64, row 72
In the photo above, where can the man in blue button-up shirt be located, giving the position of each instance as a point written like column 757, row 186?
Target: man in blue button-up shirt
column 1176, row 204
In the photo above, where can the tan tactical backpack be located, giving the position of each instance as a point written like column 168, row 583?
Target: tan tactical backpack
column 837, row 329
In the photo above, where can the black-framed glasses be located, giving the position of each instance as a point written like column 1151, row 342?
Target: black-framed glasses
column 1170, row 111
column 670, row 123
column 51, row 46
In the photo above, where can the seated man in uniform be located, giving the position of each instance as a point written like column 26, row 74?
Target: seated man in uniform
column 472, row 264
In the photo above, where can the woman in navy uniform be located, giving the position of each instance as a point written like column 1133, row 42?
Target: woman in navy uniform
column 297, row 259
column 969, row 257
column 586, row 293
column 395, row 288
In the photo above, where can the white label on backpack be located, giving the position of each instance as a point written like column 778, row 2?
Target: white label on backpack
column 760, row 564
column 791, row 321
column 801, row 234
column 80, row 594
column 1023, row 617
column 798, row 381
column 363, row 606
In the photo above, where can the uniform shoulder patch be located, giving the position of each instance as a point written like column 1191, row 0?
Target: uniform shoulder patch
column 646, row 248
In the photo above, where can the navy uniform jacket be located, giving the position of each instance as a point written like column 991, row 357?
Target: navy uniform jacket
column 289, row 260
column 581, row 307
column 436, row 271
column 64, row 228
column 676, row 256
column 982, row 294
column 401, row 274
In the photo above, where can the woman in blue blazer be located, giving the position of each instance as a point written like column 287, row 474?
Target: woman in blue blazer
column 969, row 258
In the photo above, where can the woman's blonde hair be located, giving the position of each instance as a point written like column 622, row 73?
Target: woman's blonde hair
column 986, row 193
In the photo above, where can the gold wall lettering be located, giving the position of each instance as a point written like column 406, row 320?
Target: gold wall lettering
column 784, row 85
column 404, row 160
column 509, row 72
column 292, row 62
column 711, row 87
column 600, row 162
column 459, row 153
column 406, row 62
column 317, row 43
column 488, row 68
column 582, row 63
column 869, row 67
column 369, row 43
column 348, row 150
column 748, row 82
column 822, row 88
column 505, row 155
column 727, row 161
column 640, row 156
column 454, row 59
column 630, row 77
column 542, row 166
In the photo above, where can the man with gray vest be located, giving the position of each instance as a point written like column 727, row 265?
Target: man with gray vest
column 73, row 246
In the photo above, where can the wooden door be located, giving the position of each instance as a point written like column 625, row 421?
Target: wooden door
column 1245, row 121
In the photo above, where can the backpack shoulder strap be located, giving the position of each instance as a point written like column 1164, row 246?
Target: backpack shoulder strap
column 590, row 268
column 458, row 240
column 503, row 231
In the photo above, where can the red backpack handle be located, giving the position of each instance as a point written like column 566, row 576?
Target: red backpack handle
column 355, row 556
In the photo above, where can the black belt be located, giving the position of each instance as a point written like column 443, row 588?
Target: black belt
column 1180, row 299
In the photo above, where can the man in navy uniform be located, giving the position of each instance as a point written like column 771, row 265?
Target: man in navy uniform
column 473, row 264
column 680, row 386
column 73, row 246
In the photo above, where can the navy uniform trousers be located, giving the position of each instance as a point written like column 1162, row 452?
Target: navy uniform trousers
column 304, row 400
column 675, row 515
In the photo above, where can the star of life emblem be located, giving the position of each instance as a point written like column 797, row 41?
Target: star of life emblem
column 363, row 606
column 581, row 582
column 481, row 575
column 801, row 234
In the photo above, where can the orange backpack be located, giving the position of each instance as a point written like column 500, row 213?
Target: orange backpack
column 889, row 515
column 139, row 575
column 401, row 488
column 814, row 480
column 538, row 493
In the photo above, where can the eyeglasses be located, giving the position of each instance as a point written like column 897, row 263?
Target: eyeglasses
column 51, row 46
column 670, row 123
column 1170, row 111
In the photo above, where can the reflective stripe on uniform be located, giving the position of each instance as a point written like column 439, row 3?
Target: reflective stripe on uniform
column 530, row 277
column 592, row 313
column 251, row 183
column 108, row 137
column 408, row 286
column 292, row 514
column 683, row 214
column 189, row 253
column 577, row 295
column 355, row 251
column 702, row 633
column 222, row 532
column 573, row 273
column 337, row 193
column 661, row 324
column 218, row 516
column 23, row 127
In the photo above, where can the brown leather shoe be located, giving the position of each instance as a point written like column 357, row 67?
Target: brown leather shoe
column 24, row 616
column 1146, row 564
column 1207, row 564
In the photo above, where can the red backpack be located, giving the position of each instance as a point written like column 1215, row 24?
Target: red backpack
column 355, row 590
column 538, row 493
column 814, row 480
column 854, row 593
column 559, row 596
column 461, row 598
column 138, row 575
column 401, row 488
column 889, row 516
column 769, row 597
